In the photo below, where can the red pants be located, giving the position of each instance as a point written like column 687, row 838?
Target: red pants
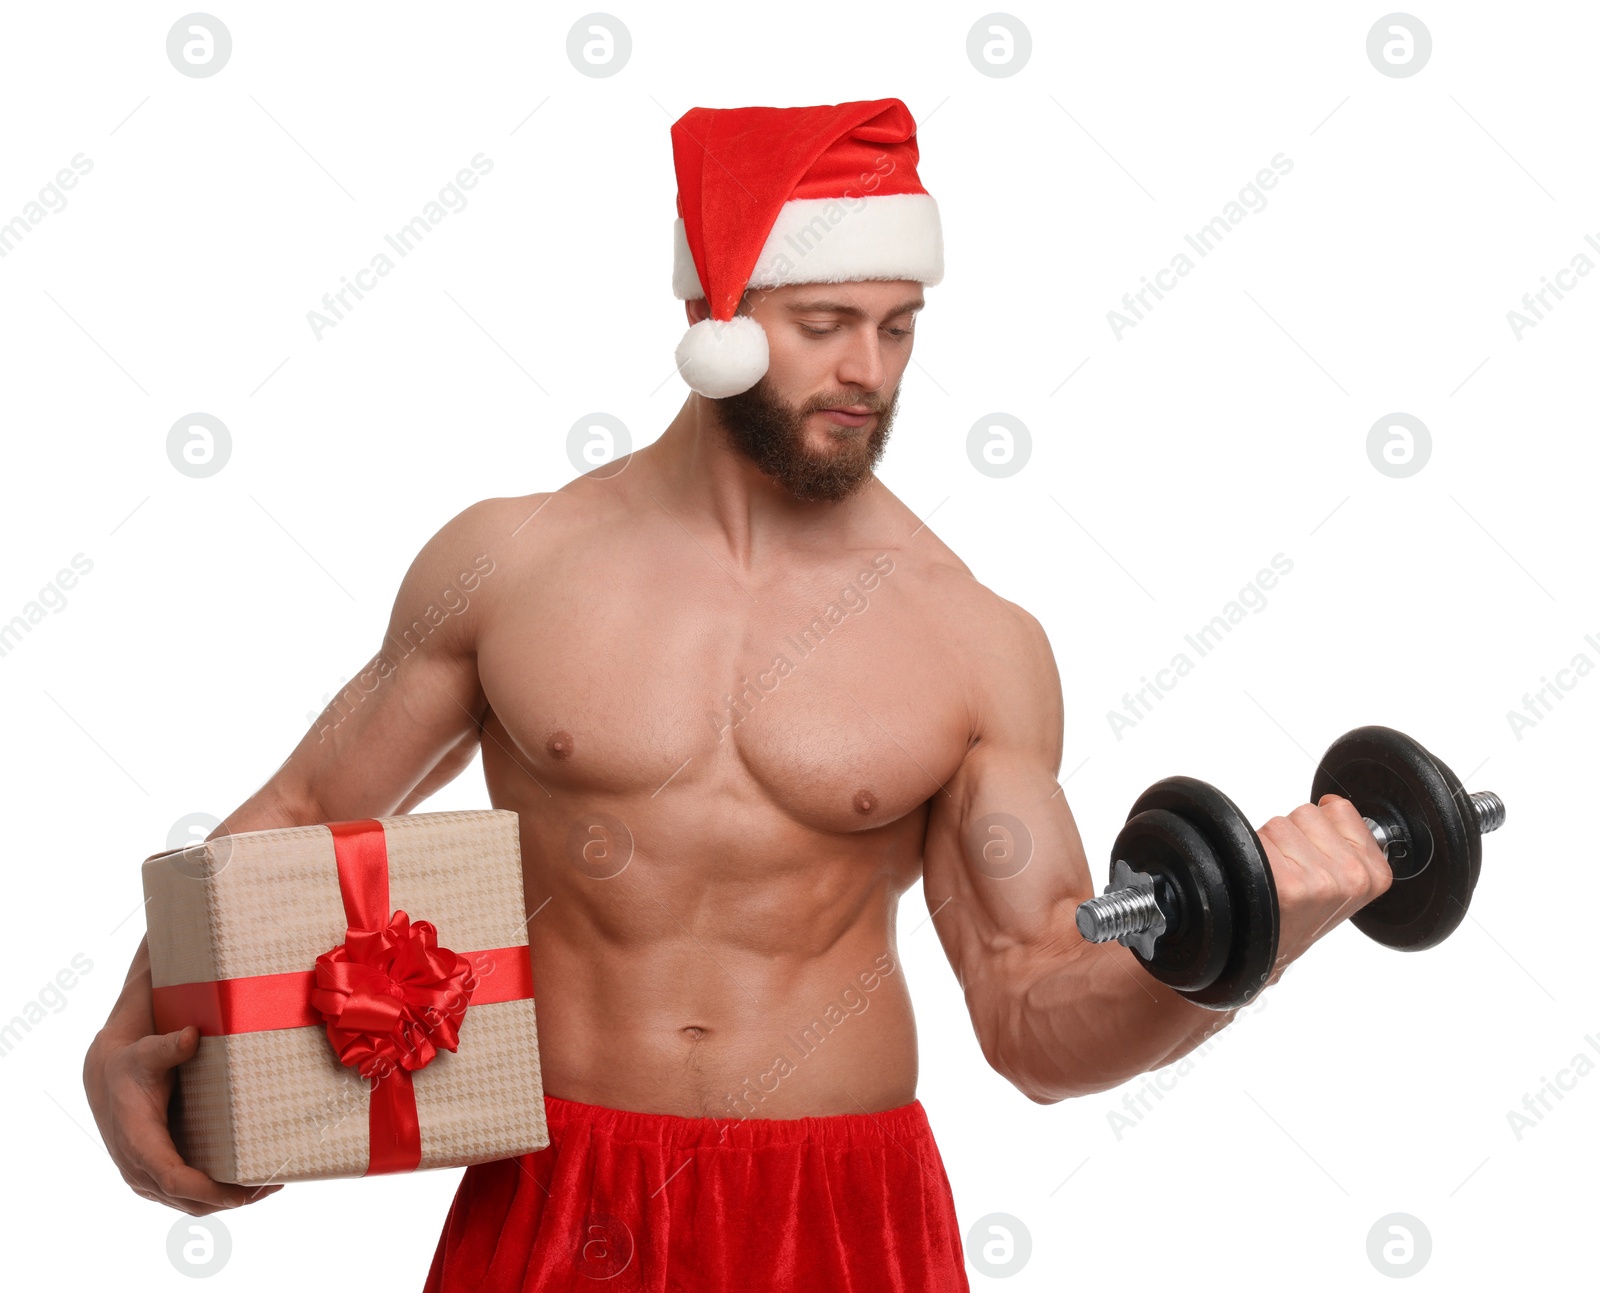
column 626, row 1202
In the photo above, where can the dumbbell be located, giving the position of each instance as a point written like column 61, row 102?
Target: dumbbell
column 1191, row 891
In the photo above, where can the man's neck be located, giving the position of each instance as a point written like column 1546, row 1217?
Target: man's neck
column 698, row 476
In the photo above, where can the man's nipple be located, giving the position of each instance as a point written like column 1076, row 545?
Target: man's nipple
column 559, row 745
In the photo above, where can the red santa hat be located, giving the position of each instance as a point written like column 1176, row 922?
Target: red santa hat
column 771, row 196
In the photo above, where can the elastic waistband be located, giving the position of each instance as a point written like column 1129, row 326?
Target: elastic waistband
column 888, row 1126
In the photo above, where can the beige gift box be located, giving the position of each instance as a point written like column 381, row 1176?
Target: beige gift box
column 253, row 1107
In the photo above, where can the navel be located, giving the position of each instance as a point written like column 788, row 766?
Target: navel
column 865, row 800
column 559, row 744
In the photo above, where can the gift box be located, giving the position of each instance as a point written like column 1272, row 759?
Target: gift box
column 363, row 992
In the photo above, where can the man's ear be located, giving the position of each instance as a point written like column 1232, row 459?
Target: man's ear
column 697, row 310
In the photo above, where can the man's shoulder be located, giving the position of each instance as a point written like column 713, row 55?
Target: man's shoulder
column 991, row 632
column 1004, row 658
column 516, row 528
column 1000, row 650
column 951, row 586
column 487, row 546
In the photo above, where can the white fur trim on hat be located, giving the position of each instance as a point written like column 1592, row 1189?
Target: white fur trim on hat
column 836, row 240
column 719, row 358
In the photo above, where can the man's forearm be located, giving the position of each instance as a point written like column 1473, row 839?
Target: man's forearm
column 130, row 1016
column 1093, row 1021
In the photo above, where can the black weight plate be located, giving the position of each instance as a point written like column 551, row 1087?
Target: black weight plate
column 1469, row 818
column 1193, row 950
column 1252, row 895
column 1392, row 779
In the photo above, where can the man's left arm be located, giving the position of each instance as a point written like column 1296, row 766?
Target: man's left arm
column 1004, row 872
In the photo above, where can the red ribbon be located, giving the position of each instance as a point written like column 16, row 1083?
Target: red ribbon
column 390, row 997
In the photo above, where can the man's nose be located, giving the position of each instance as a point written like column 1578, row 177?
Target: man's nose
column 862, row 363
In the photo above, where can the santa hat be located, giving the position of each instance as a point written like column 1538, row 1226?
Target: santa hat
column 771, row 196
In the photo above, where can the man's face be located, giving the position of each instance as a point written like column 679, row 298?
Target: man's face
column 832, row 346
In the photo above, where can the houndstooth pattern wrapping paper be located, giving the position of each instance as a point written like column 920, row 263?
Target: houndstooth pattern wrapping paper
column 259, row 1107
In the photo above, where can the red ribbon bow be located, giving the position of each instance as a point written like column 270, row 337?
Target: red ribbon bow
column 392, row 997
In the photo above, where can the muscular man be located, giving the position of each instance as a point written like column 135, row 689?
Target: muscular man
column 741, row 698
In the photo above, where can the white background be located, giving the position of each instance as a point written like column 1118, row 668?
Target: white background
column 1227, row 426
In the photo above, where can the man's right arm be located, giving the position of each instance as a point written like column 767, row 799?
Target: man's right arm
column 407, row 724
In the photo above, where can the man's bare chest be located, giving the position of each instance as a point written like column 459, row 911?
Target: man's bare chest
column 838, row 703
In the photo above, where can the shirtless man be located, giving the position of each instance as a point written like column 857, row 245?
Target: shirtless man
column 715, row 844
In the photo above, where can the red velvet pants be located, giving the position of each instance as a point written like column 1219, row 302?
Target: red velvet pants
column 626, row 1202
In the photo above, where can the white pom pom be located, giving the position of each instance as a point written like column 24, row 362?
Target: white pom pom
column 719, row 358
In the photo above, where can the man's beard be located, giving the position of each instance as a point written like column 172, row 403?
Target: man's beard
column 771, row 433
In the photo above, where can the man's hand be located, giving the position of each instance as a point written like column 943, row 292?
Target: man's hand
column 129, row 1081
column 1326, row 866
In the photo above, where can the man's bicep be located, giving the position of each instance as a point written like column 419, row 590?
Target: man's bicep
column 414, row 705
column 1004, row 852
column 1004, row 866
